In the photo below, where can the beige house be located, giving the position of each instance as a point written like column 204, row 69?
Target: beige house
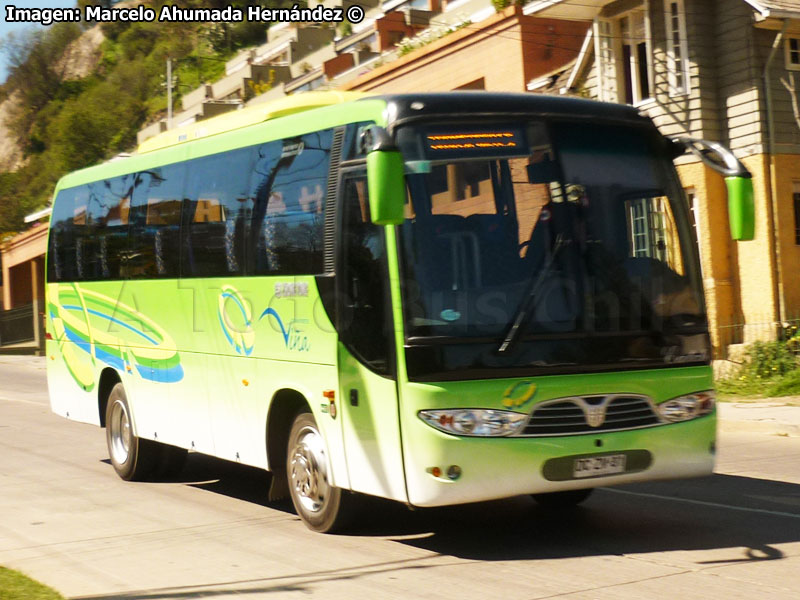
column 723, row 70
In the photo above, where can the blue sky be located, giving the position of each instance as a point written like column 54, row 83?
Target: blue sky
column 5, row 28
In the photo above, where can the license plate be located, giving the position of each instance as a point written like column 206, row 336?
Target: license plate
column 598, row 465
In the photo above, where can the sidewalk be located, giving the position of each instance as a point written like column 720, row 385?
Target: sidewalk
column 778, row 416
column 24, row 360
column 24, row 348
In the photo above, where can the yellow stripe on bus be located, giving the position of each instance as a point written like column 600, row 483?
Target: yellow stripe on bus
column 247, row 116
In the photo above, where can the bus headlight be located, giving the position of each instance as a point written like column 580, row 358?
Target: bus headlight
column 687, row 407
column 475, row 422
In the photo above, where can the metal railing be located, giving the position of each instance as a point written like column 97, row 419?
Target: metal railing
column 16, row 325
column 735, row 337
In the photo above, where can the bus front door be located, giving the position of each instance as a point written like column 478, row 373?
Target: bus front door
column 367, row 383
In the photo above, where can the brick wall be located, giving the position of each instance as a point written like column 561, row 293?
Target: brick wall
column 786, row 174
column 717, row 252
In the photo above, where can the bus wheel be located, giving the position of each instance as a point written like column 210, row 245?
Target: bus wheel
column 321, row 506
column 132, row 458
column 564, row 499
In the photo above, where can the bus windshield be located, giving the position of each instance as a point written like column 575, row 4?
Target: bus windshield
column 561, row 245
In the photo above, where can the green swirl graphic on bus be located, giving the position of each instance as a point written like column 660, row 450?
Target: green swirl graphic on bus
column 91, row 327
column 236, row 322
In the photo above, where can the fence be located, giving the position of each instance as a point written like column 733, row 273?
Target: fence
column 734, row 338
column 16, row 325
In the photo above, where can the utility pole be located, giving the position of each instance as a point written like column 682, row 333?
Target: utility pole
column 169, row 93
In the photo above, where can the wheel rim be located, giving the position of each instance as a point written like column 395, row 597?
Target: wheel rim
column 308, row 470
column 119, row 429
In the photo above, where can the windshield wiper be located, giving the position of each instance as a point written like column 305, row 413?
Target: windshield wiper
column 529, row 299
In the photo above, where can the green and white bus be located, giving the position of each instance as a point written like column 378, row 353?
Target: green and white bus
column 431, row 298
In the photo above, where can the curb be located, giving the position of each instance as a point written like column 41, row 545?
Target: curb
column 766, row 426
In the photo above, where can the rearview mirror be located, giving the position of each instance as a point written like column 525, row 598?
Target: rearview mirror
column 385, row 171
column 741, row 207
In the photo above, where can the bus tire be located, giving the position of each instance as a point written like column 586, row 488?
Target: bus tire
column 133, row 458
column 321, row 506
column 565, row 499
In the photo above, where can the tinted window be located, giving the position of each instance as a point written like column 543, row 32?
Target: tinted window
column 108, row 211
column 254, row 210
column 89, row 236
column 351, row 147
column 217, row 211
column 365, row 326
column 61, row 254
column 155, row 222
column 290, row 186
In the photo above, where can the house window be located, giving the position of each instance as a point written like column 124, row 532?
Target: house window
column 647, row 232
column 796, row 202
column 677, row 49
column 691, row 198
column 695, row 217
column 624, row 57
column 792, row 49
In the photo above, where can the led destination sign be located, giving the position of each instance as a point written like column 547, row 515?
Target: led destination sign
column 464, row 143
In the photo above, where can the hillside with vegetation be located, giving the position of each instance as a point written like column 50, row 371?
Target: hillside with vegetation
column 77, row 94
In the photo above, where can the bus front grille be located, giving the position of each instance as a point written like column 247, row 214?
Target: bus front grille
column 591, row 414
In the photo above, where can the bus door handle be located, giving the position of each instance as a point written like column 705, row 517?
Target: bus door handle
column 353, row 397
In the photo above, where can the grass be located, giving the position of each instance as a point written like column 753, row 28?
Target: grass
column 16, row 586
column 787, row 384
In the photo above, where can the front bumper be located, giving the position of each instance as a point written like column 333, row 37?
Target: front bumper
column 492, row 468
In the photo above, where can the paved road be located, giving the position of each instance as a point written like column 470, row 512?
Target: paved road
column 67, row 520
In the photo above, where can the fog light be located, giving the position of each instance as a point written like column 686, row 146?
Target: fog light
column 453, row 472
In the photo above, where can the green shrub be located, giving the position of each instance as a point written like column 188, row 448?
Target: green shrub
column 768, row 360
column 770, row 369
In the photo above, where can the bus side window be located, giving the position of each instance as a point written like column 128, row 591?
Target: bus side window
column 155, row 222
column 108, row 211
column 85, row 242
column 290, row 186
column 61, row 264
column 216, row 213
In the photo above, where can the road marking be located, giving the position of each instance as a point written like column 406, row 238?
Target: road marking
column 774, row 513
column 40, row 403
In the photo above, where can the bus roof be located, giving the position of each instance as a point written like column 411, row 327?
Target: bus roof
column 402, row 108
column 247, row 116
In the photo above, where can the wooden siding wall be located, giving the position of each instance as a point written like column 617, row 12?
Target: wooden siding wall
column 727, row 55
column 787, row 131
column 739, row 70
column 693, row 113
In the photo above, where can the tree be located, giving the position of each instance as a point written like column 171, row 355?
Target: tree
column 37, row 65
